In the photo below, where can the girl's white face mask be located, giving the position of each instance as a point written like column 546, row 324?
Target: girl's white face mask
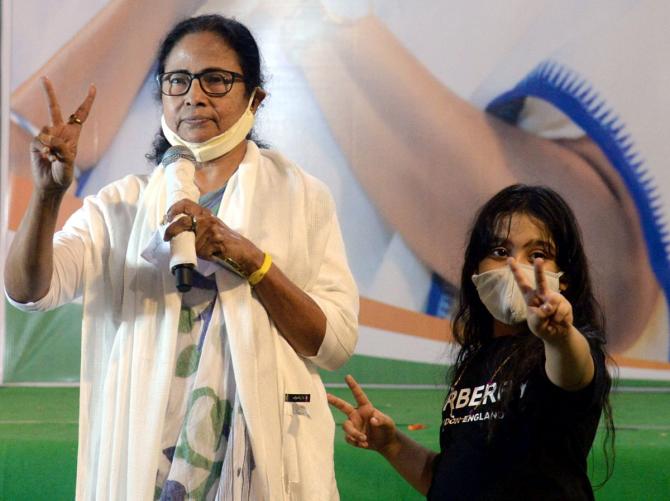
column 502, row 296
column 218, row 145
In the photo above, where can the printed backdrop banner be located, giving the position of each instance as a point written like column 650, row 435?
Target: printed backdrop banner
column 413, row 113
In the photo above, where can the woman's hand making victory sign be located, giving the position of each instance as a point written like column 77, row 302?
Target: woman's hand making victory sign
column 54, row 149
column 549, row 314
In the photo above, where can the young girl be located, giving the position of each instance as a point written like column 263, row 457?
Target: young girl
column 530, row 381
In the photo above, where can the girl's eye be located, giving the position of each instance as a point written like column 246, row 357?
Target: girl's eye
column 545, row 255
column 499, row 252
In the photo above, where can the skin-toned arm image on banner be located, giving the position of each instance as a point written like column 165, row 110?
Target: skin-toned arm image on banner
column 455, row 154
column 412, row 115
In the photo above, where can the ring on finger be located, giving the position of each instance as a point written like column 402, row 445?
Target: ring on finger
column 194, row 224
column 74, row 119
column 235, row 265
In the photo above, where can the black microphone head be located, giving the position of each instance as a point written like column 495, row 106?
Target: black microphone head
column 174, row 153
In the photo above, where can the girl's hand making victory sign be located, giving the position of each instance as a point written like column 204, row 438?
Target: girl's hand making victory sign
column 54, row 149
column 549, row 314
column 366, row 426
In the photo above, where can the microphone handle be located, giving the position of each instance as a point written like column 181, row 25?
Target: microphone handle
column 183, row 259
column 183, row 275
column 180, row 184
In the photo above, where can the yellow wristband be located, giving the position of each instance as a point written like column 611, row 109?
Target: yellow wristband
column 260, row 273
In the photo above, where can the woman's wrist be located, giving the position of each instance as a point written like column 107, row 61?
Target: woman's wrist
column 258, row 275
column 46, row 198
column 253, row 261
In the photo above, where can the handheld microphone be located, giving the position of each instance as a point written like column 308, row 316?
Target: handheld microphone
column 179, row 164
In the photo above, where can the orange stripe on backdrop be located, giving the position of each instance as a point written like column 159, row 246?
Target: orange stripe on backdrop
column 392, row 318
column 638, row 363
column 21, row 190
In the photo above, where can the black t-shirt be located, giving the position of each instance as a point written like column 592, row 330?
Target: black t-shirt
column 540, row 442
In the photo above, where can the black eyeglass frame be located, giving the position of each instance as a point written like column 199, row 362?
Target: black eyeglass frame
column 236, row 77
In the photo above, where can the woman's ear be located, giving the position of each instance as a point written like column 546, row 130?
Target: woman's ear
column 258, row 99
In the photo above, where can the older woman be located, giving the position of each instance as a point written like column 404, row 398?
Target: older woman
column 213, row 392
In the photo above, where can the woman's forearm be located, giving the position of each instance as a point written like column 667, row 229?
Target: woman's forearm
column 297, row 317
column 29, row 263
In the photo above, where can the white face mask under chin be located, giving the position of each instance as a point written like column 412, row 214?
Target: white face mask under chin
column 502, row 296
column 218, row 145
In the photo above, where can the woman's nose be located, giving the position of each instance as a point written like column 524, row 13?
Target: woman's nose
column 195, row 93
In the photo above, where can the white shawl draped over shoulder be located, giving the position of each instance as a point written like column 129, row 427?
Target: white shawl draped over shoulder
column 131, row 313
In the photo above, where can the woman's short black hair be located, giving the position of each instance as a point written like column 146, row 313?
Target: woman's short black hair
column 234, row 34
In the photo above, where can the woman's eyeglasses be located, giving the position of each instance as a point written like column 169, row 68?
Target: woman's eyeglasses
column 215, row 83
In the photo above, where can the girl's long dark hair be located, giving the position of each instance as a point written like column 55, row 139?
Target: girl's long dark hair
column 235, row 35
column 473, row 324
